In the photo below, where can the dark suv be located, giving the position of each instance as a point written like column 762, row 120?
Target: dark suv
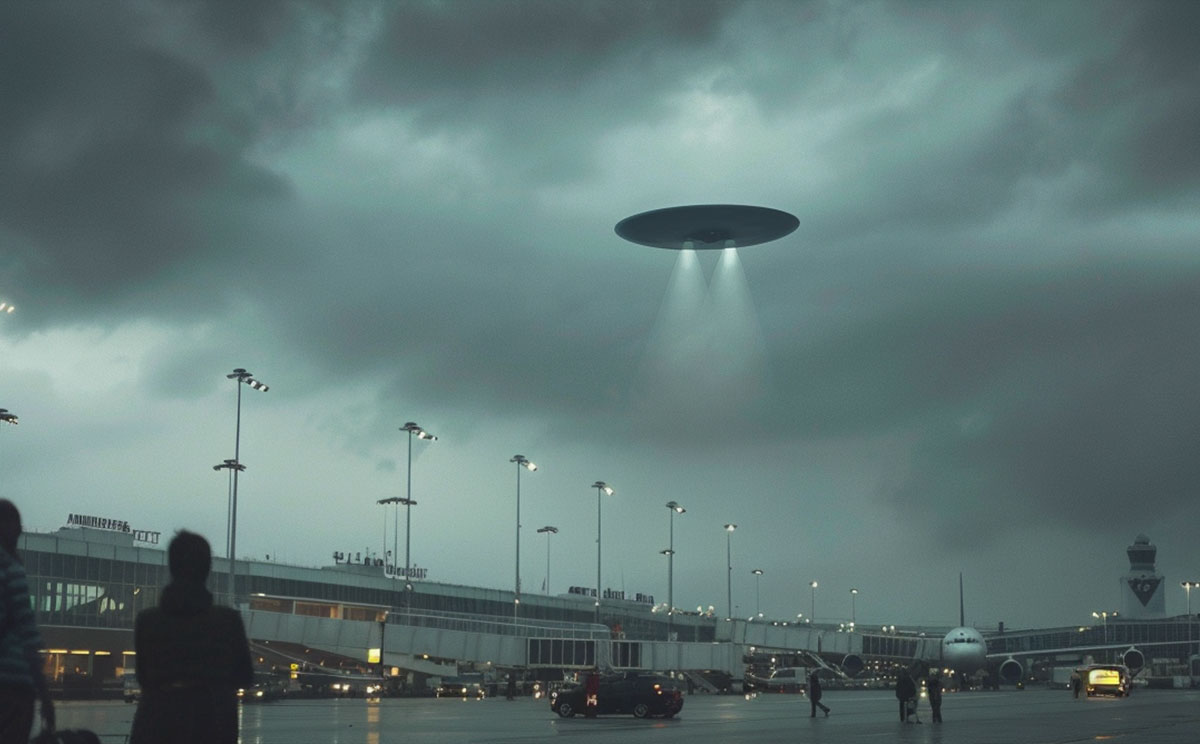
column 641, row 694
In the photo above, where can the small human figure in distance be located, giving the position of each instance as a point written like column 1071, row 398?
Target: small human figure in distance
column 906, row 690
column 510, row 692
column 933, row 687
column 192, row 656
column 22, row 681
column 814, row 695
column 592, row 690
column 1076, row 683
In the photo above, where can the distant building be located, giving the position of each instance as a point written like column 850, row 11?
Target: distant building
column 1142, row 589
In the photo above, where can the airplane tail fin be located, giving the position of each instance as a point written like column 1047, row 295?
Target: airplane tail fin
column 962, row 615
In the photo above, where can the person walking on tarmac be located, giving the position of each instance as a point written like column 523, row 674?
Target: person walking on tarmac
column 592, row 689
column 1076, row 683
column 906, row 690
column 814, row 695
column 933, row 686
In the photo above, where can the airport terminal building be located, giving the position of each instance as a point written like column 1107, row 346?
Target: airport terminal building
column 89, row 580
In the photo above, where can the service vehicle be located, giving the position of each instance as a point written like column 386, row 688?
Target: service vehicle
column 640, row 694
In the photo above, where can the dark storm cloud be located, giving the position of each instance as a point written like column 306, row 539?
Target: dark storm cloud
column 540, row 80
column 114, row 162
column 1068, row 395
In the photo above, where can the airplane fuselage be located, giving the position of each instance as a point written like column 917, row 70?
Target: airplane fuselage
column 964, row 650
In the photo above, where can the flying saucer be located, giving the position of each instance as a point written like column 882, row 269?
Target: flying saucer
column 706, row 226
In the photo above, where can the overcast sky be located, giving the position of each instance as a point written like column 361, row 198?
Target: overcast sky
column 979, row 352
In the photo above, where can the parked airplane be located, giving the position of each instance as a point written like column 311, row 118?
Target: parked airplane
column 963, row 652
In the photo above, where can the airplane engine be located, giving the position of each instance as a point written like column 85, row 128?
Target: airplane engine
column 1011, row 671
column 1134, row 659
column 852, row 664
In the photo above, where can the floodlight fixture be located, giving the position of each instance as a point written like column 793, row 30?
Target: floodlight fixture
column 412, row 428
column 8, row 417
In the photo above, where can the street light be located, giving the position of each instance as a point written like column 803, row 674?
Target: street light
column 601, row 488
column 412, row 429
column 853, row 594
column 729, row 528
column 1188, row 586
column 813, row 609
column 231, row 466
column 674, row 509
column 8, row 418
column 1103, row 616
column 6, row 307
column 394, row 552
column 549, row 531
column 240, row 377
column 757, row 575
column 522, row 462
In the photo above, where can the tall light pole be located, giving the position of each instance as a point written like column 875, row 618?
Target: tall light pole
column 549, row 530
column 413, row 430
column 232, row 466
column 853, row 595
column 812, row 613
column 1103, row 617
column 758, row 572
column 240, row 377
column 729, row 528
column 1188, row 586
column 601, row 488
column 8, row 418
column 522, row 462
column 398, row 501
column 674, row 508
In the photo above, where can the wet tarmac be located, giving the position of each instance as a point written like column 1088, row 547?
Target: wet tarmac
column 1035, row 716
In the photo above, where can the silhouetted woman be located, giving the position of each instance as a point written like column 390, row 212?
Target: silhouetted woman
column 21, row 678
column 191, row 657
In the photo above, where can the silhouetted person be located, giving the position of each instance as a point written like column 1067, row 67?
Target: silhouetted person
column 191, row 657
column 592, row 689
column 933, row 685
column 1076, row 683
column 906, row 689
column 22, row 680
column 814, row 695
column 511, row 692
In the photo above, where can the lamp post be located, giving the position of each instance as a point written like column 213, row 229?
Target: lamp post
column 1188, row 586
column 232, row 466
column 1103, row 617
column 522, row 462
column 394, row 552
column 729, row 528
column 413, row 430
column 7, row 417
column 601, row 488
column 758, row 572
column 674, row 508
column 549, row 530
column 240, row 377
column 812, row 613
column 853, row 594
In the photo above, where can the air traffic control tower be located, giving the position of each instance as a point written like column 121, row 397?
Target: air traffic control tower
column 1142, row 593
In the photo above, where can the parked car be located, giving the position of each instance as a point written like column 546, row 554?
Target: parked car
column 462, row 687
column 642, row 695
